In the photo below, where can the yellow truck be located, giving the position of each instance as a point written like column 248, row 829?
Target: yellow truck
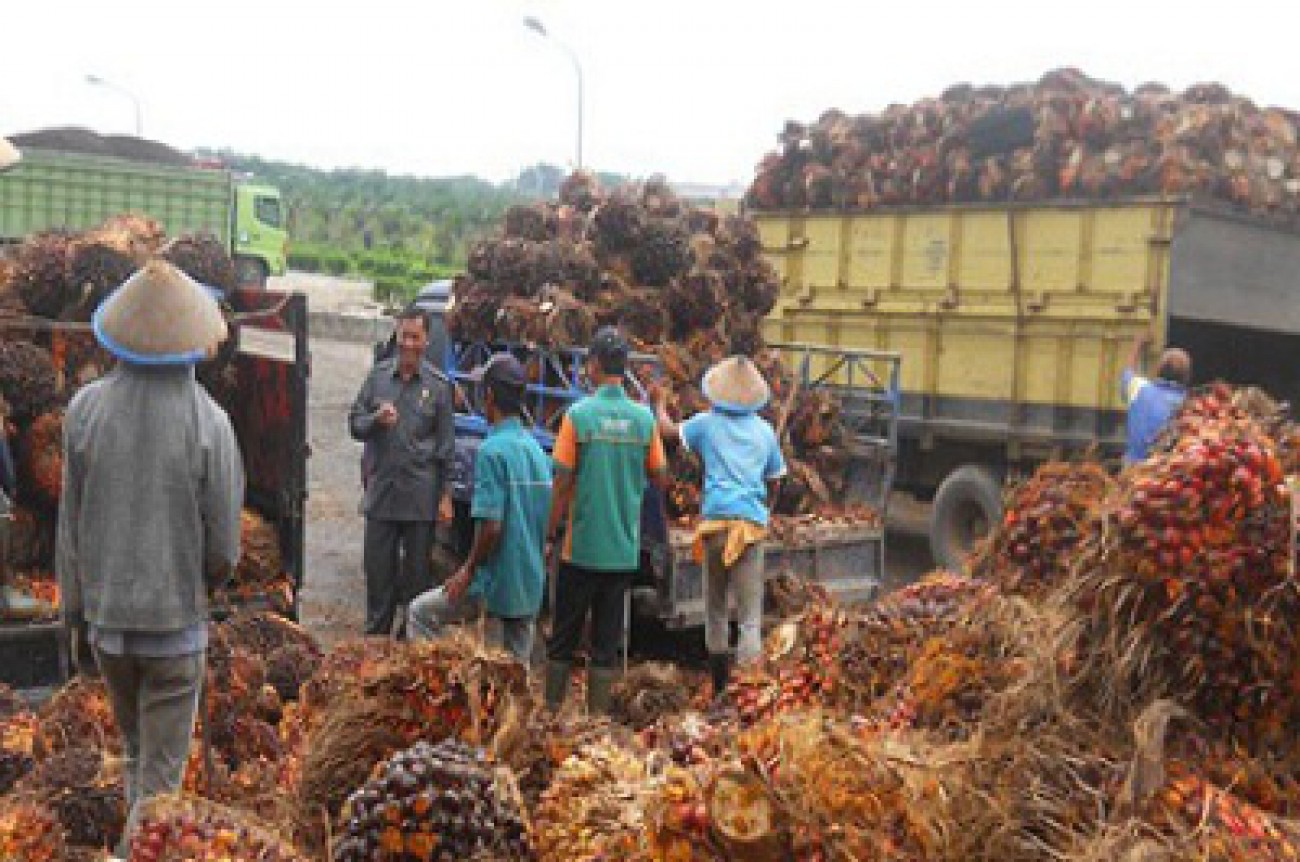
column 1014, row 322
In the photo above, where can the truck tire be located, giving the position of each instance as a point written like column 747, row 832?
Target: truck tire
column 251, row 272
column 967, row 505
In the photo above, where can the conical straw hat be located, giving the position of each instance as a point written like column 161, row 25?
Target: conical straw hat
column 736, row 385
column 9, row 155
column 160, row 316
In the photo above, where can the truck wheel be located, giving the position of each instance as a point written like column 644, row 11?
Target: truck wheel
column 967, row 506
column 251, row 272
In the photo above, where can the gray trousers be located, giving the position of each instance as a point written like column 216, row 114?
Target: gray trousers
column 154, row 701
column 746, row 581
column 431, row 611
column 395, row 555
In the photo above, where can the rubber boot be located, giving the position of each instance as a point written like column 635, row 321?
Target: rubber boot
column 556, row 684
column 720, row 671
column 600, row 684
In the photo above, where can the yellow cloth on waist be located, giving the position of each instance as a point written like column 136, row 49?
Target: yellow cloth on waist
column 740, row 535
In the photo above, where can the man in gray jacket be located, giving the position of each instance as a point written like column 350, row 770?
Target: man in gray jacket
column 403, row 414
column 149, row 519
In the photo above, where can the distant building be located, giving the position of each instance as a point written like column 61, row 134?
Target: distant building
column 709, row 192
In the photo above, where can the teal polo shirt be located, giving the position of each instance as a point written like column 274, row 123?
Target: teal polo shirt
column 612, row 445
column 512, row 485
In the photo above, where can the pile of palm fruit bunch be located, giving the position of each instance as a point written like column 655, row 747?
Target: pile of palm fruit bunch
column 188, row 830
column 688, row 286
column 1065, row 136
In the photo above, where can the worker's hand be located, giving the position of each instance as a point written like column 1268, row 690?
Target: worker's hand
column 457, row 584
column 551, row 555
column 658, row 393
column 446, row 511
column 386, row 416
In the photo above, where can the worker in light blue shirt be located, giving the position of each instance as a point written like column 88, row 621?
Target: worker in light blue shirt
column 1152, row 402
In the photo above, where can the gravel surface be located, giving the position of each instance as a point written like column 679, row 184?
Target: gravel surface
column 333, row 600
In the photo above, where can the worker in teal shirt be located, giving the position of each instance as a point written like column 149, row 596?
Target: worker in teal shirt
column 1152, row 403
column 504, row 572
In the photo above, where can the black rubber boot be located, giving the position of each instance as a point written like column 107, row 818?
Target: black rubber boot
column 557, row 684
column 600, row 685
column 720, row 671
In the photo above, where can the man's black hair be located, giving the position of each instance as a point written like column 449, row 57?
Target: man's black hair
column 412, row 312
column 508, row 397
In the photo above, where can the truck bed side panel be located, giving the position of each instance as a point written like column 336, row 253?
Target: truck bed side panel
column 1012, row 321
column 50, row 190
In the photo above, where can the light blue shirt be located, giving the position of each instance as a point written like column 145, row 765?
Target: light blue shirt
column 1151, row 404
column 740, row 454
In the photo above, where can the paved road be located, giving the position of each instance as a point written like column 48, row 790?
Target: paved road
column 334, row 594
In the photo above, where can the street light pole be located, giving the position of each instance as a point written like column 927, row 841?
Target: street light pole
column 97, row 81
column 537, row 27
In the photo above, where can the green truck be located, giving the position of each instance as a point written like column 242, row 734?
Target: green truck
column 50, row 189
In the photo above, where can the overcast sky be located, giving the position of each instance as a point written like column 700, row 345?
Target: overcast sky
column 695, row 89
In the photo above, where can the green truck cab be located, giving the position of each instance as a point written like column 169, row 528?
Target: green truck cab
column 52, row 189
column 259, row 238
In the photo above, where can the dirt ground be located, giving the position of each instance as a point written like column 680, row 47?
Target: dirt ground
column 333, row 602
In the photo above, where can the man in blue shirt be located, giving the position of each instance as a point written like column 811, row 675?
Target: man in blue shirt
column 1151, row 403
column 504, row 571
column 742, row 465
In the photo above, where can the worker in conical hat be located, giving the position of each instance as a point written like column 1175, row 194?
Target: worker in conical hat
column 9, row 155
column 149, row 519
column 742, row 462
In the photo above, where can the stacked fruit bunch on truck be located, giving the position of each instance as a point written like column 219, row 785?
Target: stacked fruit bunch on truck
column 49, row 286
column 687, row 284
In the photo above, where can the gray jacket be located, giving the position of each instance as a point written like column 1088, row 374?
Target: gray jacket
column 406, row 464
column 152, row 489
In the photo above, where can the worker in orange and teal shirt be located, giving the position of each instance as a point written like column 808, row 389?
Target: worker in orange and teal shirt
column 606, row 454
column 742, row 463
column 1152, row 402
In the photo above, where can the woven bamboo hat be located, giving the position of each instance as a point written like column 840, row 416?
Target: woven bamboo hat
column 9, row 155
column 736, row 385
column 160, row 316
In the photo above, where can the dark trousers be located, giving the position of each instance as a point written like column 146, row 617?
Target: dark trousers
column 396, row 559
column 579, row 592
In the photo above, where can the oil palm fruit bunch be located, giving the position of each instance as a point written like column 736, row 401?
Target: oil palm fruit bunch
column 203, row 258
column 260, row 561
column 533, row 221
column 1225, row 827
column 432, row 802
column 617, row 224
column 86, row 794
column 513, row 266
column 40, row 272
column 580, row 190
column 695, row 301
column 30, row 832
column 289, row 667
column 42, row 458
column 1045, row 520
column 592, row 809
column 95, row 269
column 662, row 253
column 473, row 317
column 27, row 380
column 189, row 830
